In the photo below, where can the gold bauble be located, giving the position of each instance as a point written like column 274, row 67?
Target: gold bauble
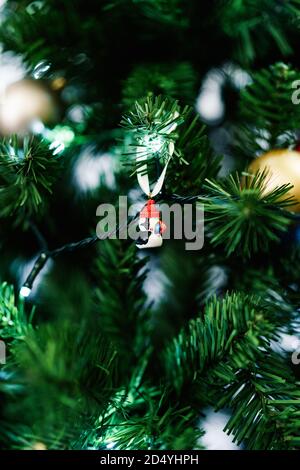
column 283, row 166
column 24, row 102
column 39, row 446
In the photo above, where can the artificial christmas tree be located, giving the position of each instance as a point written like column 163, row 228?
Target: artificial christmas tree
column 112, row 347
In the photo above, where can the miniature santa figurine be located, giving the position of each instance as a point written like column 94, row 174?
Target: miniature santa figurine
column 151, row 227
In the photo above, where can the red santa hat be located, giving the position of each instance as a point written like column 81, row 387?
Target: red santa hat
column 149, row 210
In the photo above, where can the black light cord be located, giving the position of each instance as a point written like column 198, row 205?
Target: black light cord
column 85, row 243
column 89, row 241
column 67, row 248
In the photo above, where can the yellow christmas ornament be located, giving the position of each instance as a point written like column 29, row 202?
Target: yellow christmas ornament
column 283, row 167
column 39, row 446
column 26, row 101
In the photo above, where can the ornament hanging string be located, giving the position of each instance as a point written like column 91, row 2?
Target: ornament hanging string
column 150, row 224
column 142, row 174
column 142, row 156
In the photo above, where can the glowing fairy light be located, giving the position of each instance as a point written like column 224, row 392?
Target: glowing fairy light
column 110, row 445
column 25, row 291
column 34, row 275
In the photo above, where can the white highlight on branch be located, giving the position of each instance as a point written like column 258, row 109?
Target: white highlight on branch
column 94, row 169
column 210, row 104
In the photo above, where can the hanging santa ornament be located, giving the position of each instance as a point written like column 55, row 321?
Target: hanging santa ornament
column 150, row 224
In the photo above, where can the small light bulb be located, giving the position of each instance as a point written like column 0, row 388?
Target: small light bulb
column 110, row 445
column 25, row 291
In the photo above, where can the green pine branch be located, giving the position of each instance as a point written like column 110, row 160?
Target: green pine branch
column 68, row 373
column 189, row 282
column 195, row 160
column 120, row 301
column 172, row 80
column 223, row 359
column 151, row 128
column 225, row 339
column 269, row 116
column 243, row 216
column 15, row 323
column 168, row 12
column 147, row 426
column 276, row 281
column 144, row 417
column 27, row 176
column 259, row 25
column 265, row 404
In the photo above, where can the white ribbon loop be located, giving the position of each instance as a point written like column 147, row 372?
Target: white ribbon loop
column 142, row 175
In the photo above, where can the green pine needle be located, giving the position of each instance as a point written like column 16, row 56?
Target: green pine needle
column 271, row 91
column 120, row 302
column 148, row 125
column 68, row 372
column 172, row 80
column 241, row 215
column 259, row 25
column 225, row 339
column 14, row 322
column 27, row 177
column 223, row 359
column 145, row 420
